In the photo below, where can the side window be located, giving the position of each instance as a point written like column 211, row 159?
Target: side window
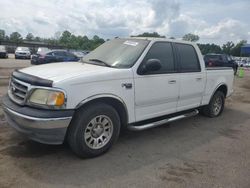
column 70, row 55
column 188, row 58
column 50, row 53
column 164, row 52
column 229, row 58
column 224, row 58
column 60, row 53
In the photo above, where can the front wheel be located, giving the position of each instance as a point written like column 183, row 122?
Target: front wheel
column 94, row 129
column 215, row 106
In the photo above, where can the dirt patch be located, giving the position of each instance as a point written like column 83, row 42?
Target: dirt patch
column 179, row 174
column 4, row 81
column 230, row 133
column 246, row 86
column 6, row 71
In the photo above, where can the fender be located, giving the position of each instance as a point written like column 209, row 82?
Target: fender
column 99, row 96
column 221, row 84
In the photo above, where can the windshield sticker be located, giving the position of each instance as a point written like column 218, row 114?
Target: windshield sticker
column 131, row 43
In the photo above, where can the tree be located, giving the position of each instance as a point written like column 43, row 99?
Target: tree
column 37, row 39
column 209, row 48
column 236, row 51
column 227, row 48
column 16, row 37
column 30, row 37
column 95, row 42
column 146, row 34
column 65, row 38
column 2, row 34
column 191, row 37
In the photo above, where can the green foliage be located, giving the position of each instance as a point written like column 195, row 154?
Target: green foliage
column 210, row 48
column 237, row 48
column 2, row 34
column 146, row 34
column 71, row 41
column 16, row 37
column 191, row 37
column 227, row 48
column 29, row 37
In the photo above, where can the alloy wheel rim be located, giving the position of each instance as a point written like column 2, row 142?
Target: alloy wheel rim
column 98, row 132
column 217, row 105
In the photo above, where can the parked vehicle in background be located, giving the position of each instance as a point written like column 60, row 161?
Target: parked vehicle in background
column 22, row 53
column 131, row 83
column 85, row 52
column 78, row 54
column 220, row 60
column 3, row 52
column 42, row 50
column 53, row 56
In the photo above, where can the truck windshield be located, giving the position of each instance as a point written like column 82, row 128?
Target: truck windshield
column 119, row 53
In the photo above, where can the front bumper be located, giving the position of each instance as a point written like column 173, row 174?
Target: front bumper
column 44, row 126
column 17, row 55
column 3, row 54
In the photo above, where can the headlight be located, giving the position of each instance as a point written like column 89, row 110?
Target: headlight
column 49, row 98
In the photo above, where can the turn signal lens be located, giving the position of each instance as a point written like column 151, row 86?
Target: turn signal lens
column 56, row 99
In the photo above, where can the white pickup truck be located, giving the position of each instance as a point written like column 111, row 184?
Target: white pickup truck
column 133, row 83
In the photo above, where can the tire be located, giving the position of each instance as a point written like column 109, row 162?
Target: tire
column 93, row 130
column 215, row 106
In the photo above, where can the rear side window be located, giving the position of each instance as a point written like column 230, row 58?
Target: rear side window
column 164, row 52
column 188, row 58
column 70, row 55
column 60, row 53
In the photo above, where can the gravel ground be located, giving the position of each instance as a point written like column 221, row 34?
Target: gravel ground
column 195, row 152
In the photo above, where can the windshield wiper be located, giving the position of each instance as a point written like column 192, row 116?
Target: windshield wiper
column 100, row 61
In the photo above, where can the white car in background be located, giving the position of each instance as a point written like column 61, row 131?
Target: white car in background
column 22, row 53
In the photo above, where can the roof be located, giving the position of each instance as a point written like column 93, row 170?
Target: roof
column 161, row 39
column 246, row 46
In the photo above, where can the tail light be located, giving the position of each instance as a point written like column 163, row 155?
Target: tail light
column 210, row 63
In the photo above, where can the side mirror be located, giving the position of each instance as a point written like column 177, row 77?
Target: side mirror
column 150, row 65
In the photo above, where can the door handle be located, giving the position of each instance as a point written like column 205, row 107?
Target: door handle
column 199, row 78
column 172, row 81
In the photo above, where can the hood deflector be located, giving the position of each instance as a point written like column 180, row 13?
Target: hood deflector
column 33, row 80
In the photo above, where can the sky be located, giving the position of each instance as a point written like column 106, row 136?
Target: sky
column 215, row 21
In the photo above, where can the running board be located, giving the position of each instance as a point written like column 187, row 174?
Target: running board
column 158, row 123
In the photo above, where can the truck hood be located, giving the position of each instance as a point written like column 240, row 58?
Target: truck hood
column 58, row 72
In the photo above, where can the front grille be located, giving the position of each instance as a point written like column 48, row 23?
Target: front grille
column 18, row 91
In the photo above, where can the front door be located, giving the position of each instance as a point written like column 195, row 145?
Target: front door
column 156, row 92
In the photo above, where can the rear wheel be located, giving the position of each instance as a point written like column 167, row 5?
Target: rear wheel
column 215, row 106
column 94, row 130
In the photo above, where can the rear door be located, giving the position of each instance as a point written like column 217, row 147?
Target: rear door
column 71, row 57
column 60, row 56
column 192, row 79
column 156, row 93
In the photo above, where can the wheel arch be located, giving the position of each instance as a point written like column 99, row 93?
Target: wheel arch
column 221, row 87
column 116, row 102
